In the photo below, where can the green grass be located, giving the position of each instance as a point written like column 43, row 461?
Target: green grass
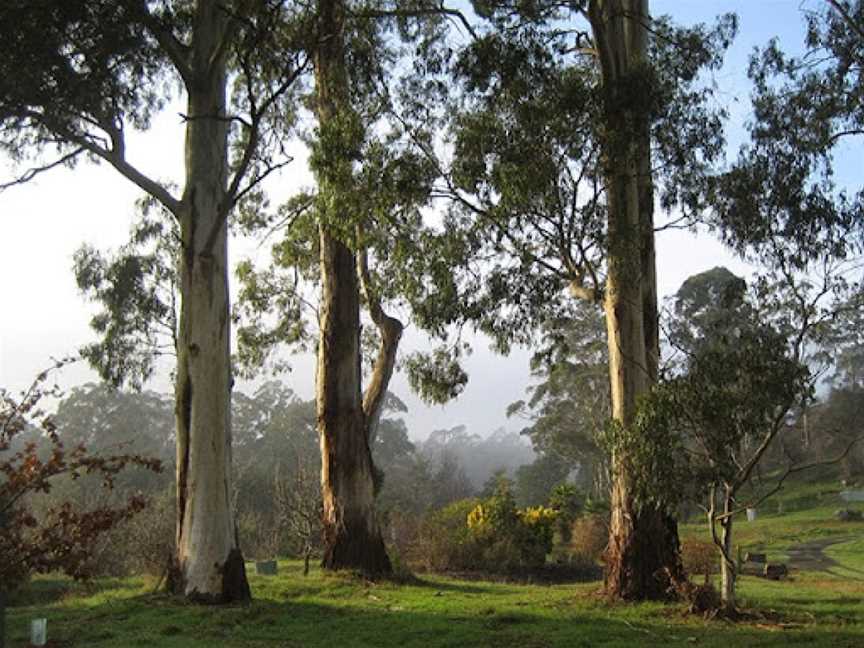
column 290, row 610
column 808, row 514
column 326, row 610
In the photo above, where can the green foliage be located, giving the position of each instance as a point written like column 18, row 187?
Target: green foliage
column 568, row 501
column 137, row 289
column 783, row 191
column 489, row 534
column 738, row 377
column 569, row 404
column 534, row 482
column 528, row 121
column 89, row 62
column 444, row 541
column 437, row 376
column 650, row 451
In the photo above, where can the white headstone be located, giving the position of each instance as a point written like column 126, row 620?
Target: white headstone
column 751, row 514
column 38, row 632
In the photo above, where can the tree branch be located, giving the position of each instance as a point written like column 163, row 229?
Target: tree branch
column 417, row 13
column 390, row 330
column 847, row 18
column 31, row 173
column 114, row 156
column 177, row 52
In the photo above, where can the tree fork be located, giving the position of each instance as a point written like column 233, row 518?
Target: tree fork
column 351, row 533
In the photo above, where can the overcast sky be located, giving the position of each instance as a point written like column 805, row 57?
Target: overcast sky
column 44, row 222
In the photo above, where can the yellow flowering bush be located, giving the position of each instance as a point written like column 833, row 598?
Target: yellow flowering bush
column 511, row 538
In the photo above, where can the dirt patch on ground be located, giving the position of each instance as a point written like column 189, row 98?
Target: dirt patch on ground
column 809, row 556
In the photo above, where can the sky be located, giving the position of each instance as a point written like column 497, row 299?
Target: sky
column 45, row 221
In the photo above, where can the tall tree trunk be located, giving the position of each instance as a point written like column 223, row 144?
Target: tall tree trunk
column 352, row 537
column 728, row 568
column 209, row 565
column 642, row 555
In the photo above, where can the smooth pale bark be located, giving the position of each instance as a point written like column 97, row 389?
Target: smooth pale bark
column 209, row 566
column 728, row 568
column 390, row 330
column 352, row 537
column 642, row 557
column 724, row 543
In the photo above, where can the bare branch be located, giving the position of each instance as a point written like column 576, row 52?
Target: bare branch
column 791, row 470
column 31, row 173
column 441, row 10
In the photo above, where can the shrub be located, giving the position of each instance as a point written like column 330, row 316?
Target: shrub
column 444, row 541
column 535, row 534
column 567, row 500
column 143, row 544
column 700, row 557
column 59, row 536
column 588, row 538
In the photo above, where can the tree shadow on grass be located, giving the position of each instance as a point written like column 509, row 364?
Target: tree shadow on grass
column 397, row 618
column 53, row 588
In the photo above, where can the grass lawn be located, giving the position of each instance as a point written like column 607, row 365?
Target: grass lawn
column 333, row 610
column 812, row 608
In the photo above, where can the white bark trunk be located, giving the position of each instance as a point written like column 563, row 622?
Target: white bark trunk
column 390, row 329
column 728, row 568
column 642, row 555
column 209, row 566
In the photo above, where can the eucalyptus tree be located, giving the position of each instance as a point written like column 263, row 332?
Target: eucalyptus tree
column 95, row 71
column 575, row 117
column 360, row 223
column 790, row 201
column 747, row 364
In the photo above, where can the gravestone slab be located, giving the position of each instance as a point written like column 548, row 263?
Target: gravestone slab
column 852, row 496
column 266, row 567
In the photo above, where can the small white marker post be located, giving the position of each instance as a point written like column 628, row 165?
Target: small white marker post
column 38, row 632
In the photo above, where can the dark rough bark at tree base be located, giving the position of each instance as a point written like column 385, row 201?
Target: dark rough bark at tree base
column 356, row 549
column 235, row 585
column 2, row 618
column 646, row 565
